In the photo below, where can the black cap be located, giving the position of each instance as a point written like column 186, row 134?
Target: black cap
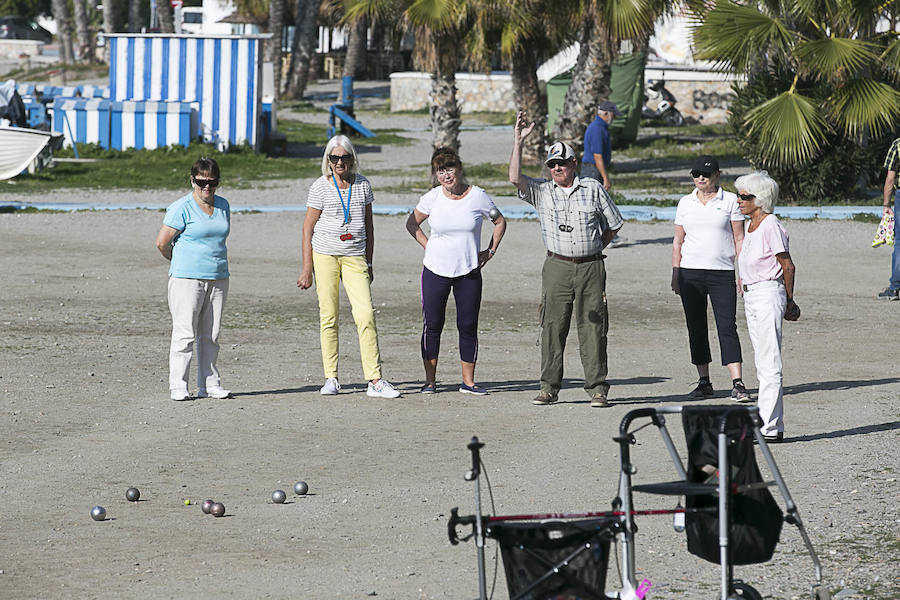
column 607, row 106
column 705, row 163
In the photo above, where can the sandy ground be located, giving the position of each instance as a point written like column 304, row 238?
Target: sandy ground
column 85, row 415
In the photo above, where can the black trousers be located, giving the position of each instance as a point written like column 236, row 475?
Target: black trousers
column 696, row 285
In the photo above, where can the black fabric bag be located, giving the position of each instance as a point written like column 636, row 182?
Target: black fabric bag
column 531, row 551
column 756, row 519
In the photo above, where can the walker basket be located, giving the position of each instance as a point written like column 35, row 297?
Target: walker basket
column 559, row 560
column 756, row 518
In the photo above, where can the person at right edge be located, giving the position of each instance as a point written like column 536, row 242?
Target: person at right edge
column 709, row 230
column 892, row 165
column 578, row 219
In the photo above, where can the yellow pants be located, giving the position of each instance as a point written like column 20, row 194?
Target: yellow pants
column 352, row 270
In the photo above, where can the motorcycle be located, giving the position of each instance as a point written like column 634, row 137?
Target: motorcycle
column 665, row 104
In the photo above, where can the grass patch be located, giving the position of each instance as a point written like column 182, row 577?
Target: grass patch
column 168, row 168
column 43, row 73
column 866, row 218
column 682, row 147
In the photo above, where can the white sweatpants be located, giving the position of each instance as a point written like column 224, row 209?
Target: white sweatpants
column 196, row 306
column 764, row 305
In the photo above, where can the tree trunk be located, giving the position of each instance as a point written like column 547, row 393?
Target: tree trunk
column 60, row 9
column 445, row 109
column 166, row 20
column 528, row 97
column 134, row 16
column 590, row 85
column 273, row 45
column 355, row 63
column 82, row 31
column 304, row 47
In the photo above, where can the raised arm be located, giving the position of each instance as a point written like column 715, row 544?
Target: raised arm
column 515, row 161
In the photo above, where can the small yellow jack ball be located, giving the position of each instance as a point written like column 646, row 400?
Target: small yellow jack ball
column 187, row 502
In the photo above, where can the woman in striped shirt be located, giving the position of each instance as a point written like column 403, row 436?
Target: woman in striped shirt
column 338, row 241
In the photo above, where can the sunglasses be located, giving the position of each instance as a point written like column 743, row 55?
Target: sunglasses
column 697, row 173
column 202, row 183
column 746, row 197
column 557, row 163
column 336, row 158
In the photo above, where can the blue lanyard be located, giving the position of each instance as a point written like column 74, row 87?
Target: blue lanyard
column 346, row 207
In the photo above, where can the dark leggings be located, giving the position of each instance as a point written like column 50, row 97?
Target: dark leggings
column 467, row 294
column 695, row 285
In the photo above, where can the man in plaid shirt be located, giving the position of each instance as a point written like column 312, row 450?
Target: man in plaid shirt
column 578, row 219
column 891, row 205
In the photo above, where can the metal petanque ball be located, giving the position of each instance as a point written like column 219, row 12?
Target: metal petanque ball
column 98, row 513
column 278, row 496
column 300, row 488
column 132, row 494
column 494, row 213
column 206, row 506
column 217, row 509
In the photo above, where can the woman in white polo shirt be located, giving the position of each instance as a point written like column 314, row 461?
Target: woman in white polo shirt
column 453, row 259
column 709, row 230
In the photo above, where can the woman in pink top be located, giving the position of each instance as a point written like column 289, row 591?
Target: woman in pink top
column 767, row 279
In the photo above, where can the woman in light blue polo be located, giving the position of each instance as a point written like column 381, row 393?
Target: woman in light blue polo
column 192, row 238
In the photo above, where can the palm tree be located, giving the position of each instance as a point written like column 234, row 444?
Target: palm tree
column 604, row 25
column 829, row 71
column 166, row 20
column 355, row 63
column 83, row 31
column 303, row 48
column 134, row 16
column 273, row 45
column 441, row 27
column 60, row 10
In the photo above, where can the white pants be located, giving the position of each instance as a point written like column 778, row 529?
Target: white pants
column 764, row 305
column 196, row 306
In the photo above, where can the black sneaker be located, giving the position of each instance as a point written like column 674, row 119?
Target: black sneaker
column 890, row 294
column 704, row 389
column 740, row 393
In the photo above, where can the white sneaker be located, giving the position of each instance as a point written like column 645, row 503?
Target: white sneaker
column 382, row 389
column 179, row 395
column 331, row 387
column 618, row 241
column 217, row 393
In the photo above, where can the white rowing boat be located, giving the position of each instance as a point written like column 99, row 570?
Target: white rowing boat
column 19, row 146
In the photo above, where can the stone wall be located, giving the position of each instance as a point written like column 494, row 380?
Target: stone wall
column 477, row 92
column 700, row 94
column 15, row 48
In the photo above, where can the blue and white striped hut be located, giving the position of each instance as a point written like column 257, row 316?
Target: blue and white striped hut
column 221, row 74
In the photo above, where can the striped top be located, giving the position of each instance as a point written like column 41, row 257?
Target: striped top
column 892, row 160
column 573, row 222
column 330, row 227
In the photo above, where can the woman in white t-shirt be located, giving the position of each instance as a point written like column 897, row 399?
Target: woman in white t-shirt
column 709, row 230
column 767, row 275
column 453, row 260
column 337, row 245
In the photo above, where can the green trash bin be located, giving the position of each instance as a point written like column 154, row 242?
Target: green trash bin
column 627, row 92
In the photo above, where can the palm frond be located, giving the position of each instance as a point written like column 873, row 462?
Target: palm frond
column 865, row 106
column 437, row 15
column 790, row 128
column 732, row 36
column 378, row 10
column 890, row 57
column 627, row 19
column 835, row 58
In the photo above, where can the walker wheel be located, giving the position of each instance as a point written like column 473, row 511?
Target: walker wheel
column 743, row 591
column 820, row 593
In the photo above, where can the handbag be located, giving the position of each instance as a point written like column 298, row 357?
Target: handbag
column 885, row 234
